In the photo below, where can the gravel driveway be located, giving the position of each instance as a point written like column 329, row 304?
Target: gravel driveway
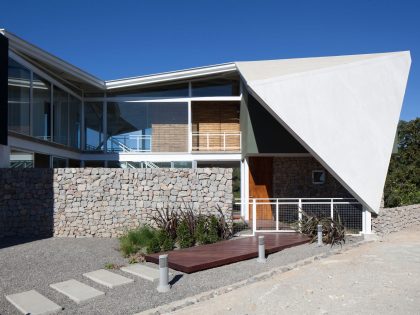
column 375, row 278
column 36, row 264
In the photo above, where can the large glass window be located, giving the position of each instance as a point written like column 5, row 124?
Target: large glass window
column 61, row 116
column 75, row 119
column 41, row 108
column 93, row 126
column 215, row 87
column 173, row 90
column 19, row 98
column 147, row 127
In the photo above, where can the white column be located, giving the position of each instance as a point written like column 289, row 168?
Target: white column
column 4, row 156
column 189, row 127
column 367, row 222
column 245, row 189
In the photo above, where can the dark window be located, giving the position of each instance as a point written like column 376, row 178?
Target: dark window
column 173, row 90
column 318, row 177
column 215, row 87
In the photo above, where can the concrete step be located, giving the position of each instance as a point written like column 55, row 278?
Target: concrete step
column 34, row 303
column 76, row 291
column 107, row 278
column 142, row 271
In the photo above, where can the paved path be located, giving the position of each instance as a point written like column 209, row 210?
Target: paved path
column 376, row 278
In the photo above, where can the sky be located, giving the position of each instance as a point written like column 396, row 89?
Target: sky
column 117, row 39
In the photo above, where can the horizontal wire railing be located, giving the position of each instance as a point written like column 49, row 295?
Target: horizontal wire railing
column 284, row 214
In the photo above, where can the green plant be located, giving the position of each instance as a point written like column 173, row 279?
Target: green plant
column 165, row 219
column 153, row 246
column 184, row 236
column 166, row 241
column 225, row 231
column 111, row 266
column 402, row 185
column 136, row 240
column 333, row 231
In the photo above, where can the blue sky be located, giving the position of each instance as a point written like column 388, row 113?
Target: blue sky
column 115, row 39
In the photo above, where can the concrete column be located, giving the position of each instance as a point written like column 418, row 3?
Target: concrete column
column 4, row 156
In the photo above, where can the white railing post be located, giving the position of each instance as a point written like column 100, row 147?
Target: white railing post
column 277, row 214
column 300, row 214
column 138, row 143
column 254, row 216
column 332, row 208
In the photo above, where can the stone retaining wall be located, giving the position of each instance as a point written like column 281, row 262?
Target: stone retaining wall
column 395, row 219
column 103, row 202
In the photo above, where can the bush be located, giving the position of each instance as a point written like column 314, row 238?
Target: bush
column 166, row 242
column 184, row 237
column 333, row 231
column 153, row 246
column 136, row 240
column 207, row 230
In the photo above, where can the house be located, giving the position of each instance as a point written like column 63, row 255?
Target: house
column 298, row 130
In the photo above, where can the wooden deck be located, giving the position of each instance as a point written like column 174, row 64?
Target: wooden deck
column 203, row 257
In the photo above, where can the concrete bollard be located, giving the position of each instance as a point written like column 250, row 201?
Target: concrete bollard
column 319, row 235
column 261, row 250
column 163, row 274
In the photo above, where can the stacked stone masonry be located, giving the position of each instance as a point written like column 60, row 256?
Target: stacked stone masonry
column 104, row 202
column 391, row 220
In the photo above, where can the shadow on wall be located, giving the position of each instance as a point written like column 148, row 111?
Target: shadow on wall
column 26, row 205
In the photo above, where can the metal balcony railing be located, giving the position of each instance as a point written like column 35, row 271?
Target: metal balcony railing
column 218, row 142
column 131, row 143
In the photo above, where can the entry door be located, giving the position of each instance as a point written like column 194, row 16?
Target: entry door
column 261, row 184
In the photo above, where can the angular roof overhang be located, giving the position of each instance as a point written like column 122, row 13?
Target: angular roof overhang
column 344, row 110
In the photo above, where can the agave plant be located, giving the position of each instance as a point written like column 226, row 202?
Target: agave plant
column 333, row 231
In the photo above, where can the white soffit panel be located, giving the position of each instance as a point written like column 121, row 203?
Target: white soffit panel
column 344, row 110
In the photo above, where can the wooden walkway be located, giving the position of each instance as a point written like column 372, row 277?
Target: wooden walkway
column 203, row 257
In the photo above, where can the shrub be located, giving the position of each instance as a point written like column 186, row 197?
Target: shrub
column 165, row 219
column 184, row 236
column 333, row 231
column 213, row 229
column 153, row 246
column 136, row 240
column 166, row 242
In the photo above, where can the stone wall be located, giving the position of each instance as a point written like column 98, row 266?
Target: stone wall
column 103, row 202
column 292, row 178
column 395, row 219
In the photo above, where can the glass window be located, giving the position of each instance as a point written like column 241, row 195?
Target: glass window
column 74, row 163
column 128, row 127
column 59, row 162
column 173, row 90
column 215, row 87
column 182, row 164
column 18, row 100
column 60, row 116
column 318, row 177
column 41, row 108
column 114, row 164
column 75, row 119
column 147, row 127
column 93, row 126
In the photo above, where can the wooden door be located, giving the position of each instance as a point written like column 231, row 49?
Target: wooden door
column 261, row 184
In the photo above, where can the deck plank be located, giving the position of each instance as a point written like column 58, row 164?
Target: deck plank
column 203, row 257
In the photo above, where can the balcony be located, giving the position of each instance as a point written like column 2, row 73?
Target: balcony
column 216, row 142
column 130, row 143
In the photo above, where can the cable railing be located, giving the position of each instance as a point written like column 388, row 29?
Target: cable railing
column 219, row 142
column 284, row 214
column 130, row 143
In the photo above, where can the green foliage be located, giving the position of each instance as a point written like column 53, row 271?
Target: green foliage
column 207, row 230
column 153, row 245
column 184, row 236
column 236, row 182
column 136, row 240
column 402, row 186
column 166, row 241
column 333, row 231
column 111, row 266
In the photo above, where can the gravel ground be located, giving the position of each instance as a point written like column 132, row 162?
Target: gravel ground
column 36, row 264
column 376, row 278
